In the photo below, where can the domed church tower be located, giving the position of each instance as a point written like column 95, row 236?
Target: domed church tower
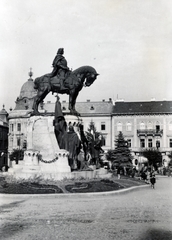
column 27, row 94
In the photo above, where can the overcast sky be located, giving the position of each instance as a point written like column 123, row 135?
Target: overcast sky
column 128, row 42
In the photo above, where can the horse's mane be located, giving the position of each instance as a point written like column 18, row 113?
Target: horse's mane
column 84, row 69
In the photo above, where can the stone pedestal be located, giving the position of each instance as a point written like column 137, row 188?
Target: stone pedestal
column 41, row 137
column 15, row 167
column 57, row 165
column 43, row 157
column 30, row 162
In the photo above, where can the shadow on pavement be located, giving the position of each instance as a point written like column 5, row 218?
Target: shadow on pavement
column 157, row 234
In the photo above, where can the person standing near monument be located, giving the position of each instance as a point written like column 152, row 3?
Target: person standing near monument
column 59, row 65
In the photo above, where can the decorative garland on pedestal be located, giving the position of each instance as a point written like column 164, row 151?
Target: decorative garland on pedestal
column 46, row 161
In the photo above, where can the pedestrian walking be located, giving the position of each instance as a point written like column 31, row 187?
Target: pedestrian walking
column 118, row 172
column 152, row 179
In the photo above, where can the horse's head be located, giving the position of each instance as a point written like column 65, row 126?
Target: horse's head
column 90, row 78
column 88, row 75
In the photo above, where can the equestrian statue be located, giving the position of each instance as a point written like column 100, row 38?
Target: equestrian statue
column 64, row 81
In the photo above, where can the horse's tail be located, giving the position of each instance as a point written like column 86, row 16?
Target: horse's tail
column 36, row 83
column 42, row 81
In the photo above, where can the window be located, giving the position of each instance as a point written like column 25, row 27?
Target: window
column 119, row 127
column 11, row 127
column 150, row 125
column 24, row 144
column 18, row 126
column 103, row 141
column 18, row 142
column 157, row 127
column 170, row 142
column 142, row 125
column 157, row 144
column 129, row 143
column 128, row 126
column 103, row 126
column 150, row 143
column 142, row 143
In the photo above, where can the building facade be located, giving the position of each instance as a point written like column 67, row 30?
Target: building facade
column 145, row 125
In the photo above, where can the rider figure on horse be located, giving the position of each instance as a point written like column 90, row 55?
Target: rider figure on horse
column 59, row 65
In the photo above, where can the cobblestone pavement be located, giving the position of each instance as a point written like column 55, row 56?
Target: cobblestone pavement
column 138, row 215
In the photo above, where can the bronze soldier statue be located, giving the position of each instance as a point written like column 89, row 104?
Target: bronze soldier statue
column 59, row 65
column 72, row 143
column 59, row 123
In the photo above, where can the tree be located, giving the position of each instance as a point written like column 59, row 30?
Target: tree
column 16, row 155
column 153, row 156
column 92, row 128
column 121, row 155
column 92, row 133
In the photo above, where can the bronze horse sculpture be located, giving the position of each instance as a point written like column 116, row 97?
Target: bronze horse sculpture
column 71, row 85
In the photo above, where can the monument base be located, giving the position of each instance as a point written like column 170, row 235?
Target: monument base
column 31, row 174
column 44, row 159
column 32, row 167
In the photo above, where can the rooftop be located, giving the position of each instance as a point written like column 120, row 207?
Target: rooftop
column 151, row 107
column 89, row 108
